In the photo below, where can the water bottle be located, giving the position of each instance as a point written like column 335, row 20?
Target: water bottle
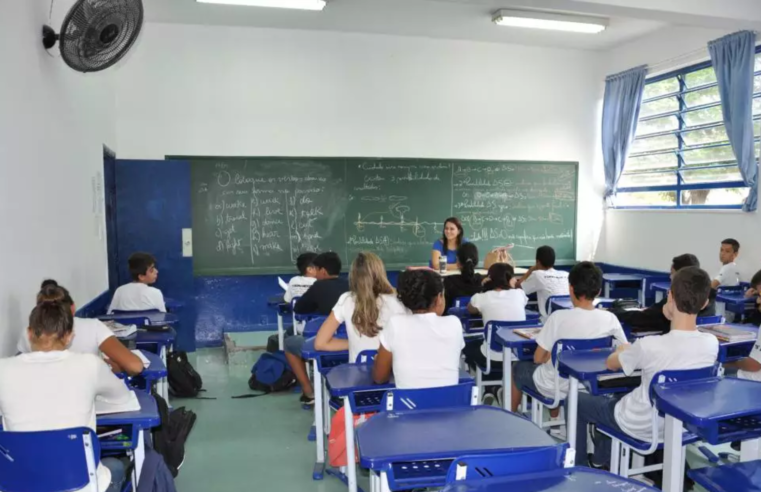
column 442, row 264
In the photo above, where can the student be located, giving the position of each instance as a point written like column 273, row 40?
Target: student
column 53, row 388
column 319, row 299
column 543, row 279
column 750, row 367
column 682, row 348
column 366, row 309
column 755, row 290
column 501, row 302
column 138, row 295
column 90, row 336
column 729, row 275
column 299, row 284
column 422, row 347
column 468, row 282
column 653, row 318
column 584, row 321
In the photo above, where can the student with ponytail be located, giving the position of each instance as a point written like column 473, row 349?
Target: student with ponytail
column 52, row 388
column 468, row 282
column 91, row 336
column 502, row 302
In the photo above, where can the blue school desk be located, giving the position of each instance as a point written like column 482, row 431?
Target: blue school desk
column 282, row 309
column 611, row 279
column 154, row 373
column 173, row 305
column 719, row 410
column 736, row 477
column 466, row 318
column 356, row 381
column 585, row 367
column 142, row 318
column 433, row 438
column 733, row 301
column 578, row 479
column 322, row 362
column 734, row 351
column 661, row 290
column 134, row 424
column 601, row 302
column 512, row 345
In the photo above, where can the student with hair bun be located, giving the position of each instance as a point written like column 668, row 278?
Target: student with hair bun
column 91, row 336
column 52, row 388
column 468, row 282
column 422, row 347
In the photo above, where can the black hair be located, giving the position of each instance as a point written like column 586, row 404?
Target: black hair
column 586, row 280
column 756, row 280
column 732, row 242
column 467, row 256
column 460, row 234
column 52, row 316
column 690, row 289
column 330, row 261
column 545, row 255
column 139, row 264
column 47, row 289
column 418, row 289
column 684, row 261
column 500, row 275
column 304, row 261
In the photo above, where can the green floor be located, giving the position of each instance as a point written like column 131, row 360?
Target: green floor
column 250, row 444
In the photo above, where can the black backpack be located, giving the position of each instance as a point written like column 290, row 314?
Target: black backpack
column 169, row 438
column 184, row 381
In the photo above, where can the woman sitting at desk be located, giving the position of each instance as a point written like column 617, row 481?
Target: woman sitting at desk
column 451, row 239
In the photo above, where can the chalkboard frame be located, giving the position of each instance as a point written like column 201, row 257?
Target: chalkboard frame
column 239, row 271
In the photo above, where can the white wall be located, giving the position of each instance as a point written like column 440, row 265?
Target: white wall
column 649, row 239
column 53, row 123
column 194, row 90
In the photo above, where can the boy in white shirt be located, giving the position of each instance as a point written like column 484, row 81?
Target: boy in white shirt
column 138, row 295
column 750, row 367
column 684, row 347
column 729, row 275
column 582, row 322
column 543, row 279
column 301, row 283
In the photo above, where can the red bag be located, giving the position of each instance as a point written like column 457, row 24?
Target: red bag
column 337, row 437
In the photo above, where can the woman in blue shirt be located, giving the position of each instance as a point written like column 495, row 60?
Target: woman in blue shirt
column 451, row 239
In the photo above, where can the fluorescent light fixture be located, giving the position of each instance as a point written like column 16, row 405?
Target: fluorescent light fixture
column 536, row 19
column 283, row 4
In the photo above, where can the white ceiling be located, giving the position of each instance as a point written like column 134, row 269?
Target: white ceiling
column 471, row 19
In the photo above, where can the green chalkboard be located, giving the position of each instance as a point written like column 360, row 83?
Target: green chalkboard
column 256, row 215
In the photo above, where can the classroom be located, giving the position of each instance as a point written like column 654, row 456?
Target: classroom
column 380, row 245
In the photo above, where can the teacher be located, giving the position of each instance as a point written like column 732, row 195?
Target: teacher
column 451, row 239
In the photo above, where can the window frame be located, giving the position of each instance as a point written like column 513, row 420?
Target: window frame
column 680, row 186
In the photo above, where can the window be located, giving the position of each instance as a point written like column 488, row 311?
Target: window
column 681, row 157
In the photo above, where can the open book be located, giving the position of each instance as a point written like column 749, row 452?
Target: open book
column 529, row 333
column 727, row 333
column 103, row 407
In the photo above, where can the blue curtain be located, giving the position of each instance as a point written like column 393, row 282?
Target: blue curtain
column 620, row 112
column 732, row 58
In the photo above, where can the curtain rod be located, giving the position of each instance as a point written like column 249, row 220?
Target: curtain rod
column 682, row 60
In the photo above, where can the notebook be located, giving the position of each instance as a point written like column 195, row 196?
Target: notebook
column 727, row 333
column 529, row 333
column 120, row 330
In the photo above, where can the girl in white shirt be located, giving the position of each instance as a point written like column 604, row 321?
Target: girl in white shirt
column 91, row 336
column 366, row 308
column 502, row 302
column 52, row 388
column 422, row 347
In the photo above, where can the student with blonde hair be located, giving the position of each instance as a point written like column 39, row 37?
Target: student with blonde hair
column 366, row 308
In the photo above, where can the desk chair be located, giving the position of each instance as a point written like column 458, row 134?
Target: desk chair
column 538, row 400
column 462, row 301
column 518, row 462
column 624, row 444
column 49, row 461
column 735, row 477
column 548, row 306
column 710, row 320
column 312, row 326
column 491, row 342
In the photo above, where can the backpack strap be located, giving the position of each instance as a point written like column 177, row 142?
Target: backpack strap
column 248, row 396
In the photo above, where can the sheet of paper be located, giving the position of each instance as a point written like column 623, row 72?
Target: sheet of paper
column 103, row 407
column 146, row 362
column 282, row 283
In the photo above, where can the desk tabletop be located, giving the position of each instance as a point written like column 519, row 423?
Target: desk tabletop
column 349, row 378
column 173, row 304
column 508, row 338
column 704, row 401
column 146, row 417
column 584, row 365
column 734, row 298
column 662, row 286
column 142, row 318
column 165, row 337
column 308, row 351
column 622, row 277
column 445, row 433
column 577, row 479
column 156, row 369
column 568, row 304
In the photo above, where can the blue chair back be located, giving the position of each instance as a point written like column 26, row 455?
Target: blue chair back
column 710, row 320
column 313, row 326
column 459, row 395
column 366, row 357
column 49, row 461
column 548, row 306
column 493, row 326
column 682, row 375
column 579, row 344
column 515, row 462
column 461, row 301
